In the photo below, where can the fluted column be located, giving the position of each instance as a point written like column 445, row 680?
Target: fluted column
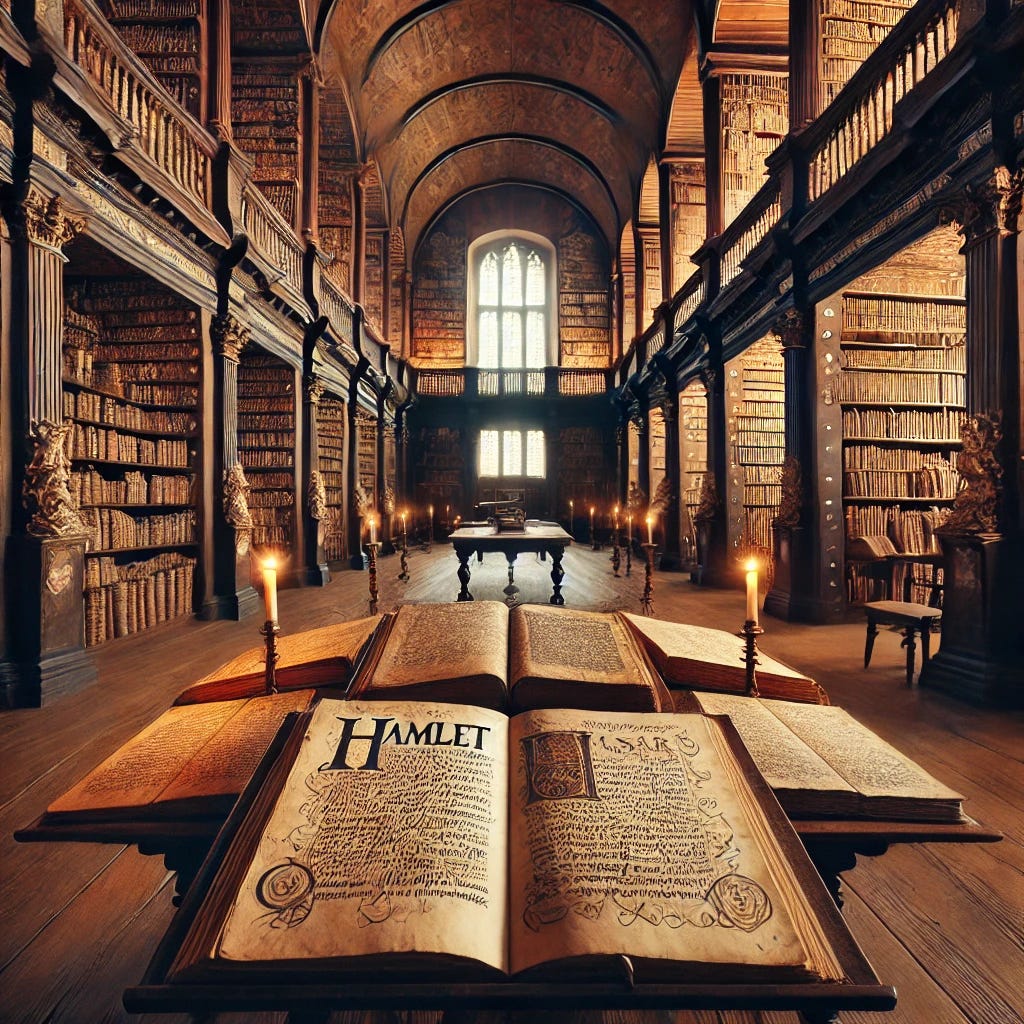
column 44, row 558
column 982, row 653
column 710, row 518
column 229, row 593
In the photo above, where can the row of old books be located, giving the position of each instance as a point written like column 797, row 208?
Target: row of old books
column 89, row 487
column 905, row 388
column 331, row 418
column 113, row 529
column 873, row 456
column 903, row 424
column 895, row 314
column 153, row 592
column 114, row 445
column 89, row 405
column 588, row 822
column 911, row 530
column 932, row 480
column 952, row 358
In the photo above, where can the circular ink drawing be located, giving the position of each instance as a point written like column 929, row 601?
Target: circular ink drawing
column 739, row 902
column 288, row 889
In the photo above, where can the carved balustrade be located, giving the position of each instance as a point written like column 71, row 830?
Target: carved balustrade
column 864, row 112
column 273, row 239
column 176, row 151
column 441, row 383
column 578, row 383
column 750, row 227
column 688, row 299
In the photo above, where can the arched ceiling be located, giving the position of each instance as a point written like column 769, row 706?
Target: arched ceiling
column 452, row 95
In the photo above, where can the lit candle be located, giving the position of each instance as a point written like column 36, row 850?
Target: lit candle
column 615, row 515
column 650, row 530
column 447, row 513
column 751, row 568
column 373, row 529
column 430, row 512
column 591, row 520
column 270, row 588
column 629, row 527
column 572, row 508
column 404, row 515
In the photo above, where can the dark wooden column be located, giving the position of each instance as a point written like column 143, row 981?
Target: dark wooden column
column 714, row 194
column 982, row 653
column 666, row 234
column 795, row 593
column 217, row 80
column 359, row 235
column 358, row 505
column 228, row 590
column 44, row 557
column 804, row 62
column 310, row 86
column 671, row 559
column 710, row 519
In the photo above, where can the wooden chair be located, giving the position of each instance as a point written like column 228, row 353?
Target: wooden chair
column 911, row 618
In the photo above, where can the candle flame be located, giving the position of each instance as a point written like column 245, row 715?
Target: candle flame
column 270, row 563
column 751, row 565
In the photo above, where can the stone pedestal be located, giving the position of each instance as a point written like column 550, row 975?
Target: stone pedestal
column 234, row 596
column 46, row 631
column 981, row 658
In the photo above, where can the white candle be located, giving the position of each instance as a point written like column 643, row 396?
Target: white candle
column 629, row 527
column 650, row 530
column 751, row 568
column 270, row 589
column 615, row 514
column 373, row 529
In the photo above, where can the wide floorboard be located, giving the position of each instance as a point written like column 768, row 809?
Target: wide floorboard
column 943, row 923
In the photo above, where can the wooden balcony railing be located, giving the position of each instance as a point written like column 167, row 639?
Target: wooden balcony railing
column 441, row 383
column 654, row 337
column 864, row 111
column 499, row 383
column 579, row 383
column 474, row 382
column 688, row 299
column 174, row 145
column 751, row 226
column 273, row 238
column 338, row 311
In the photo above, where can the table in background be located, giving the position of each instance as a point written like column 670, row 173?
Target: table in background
column 542, row 538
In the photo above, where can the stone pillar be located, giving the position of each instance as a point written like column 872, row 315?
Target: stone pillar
column 360, row 185
column 44, row 557
column 982, row 654
column 314, row 570
column 713, row 568
column 671, row 559
column 232, row 595
column 804, row 62
column 217, row 81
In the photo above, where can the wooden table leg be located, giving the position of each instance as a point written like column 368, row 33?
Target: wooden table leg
column 908, row 642
column 869, row 641
column 557, row 574
column 463, row 573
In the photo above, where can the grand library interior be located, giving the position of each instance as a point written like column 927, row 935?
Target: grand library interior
column 690, row 298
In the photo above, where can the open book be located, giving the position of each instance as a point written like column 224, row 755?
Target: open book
column 713, row 659
column 192, row 761
column 530, row 657
column 821, row 762
column 419, row 840
column 325, row 656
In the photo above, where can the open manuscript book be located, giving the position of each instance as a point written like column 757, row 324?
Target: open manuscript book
column 418, row 840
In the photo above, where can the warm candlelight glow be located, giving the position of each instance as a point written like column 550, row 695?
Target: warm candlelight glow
column 430, row 512
column 373, row 529
column 270, row 588
column 751, row 570
column 650, row 529
column 629, row 527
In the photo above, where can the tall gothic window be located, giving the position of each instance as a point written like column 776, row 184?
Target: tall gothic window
column 512, row 307
column 511, row 453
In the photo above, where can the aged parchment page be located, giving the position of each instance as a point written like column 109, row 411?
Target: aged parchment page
column 389, row 836
column 627, row 838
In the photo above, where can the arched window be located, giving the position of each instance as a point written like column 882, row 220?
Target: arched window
column 510, row 303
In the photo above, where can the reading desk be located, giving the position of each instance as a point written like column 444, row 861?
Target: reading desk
column 542, row 538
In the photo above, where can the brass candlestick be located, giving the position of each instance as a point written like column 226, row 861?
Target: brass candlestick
column 749, row 634
column 404, row 574
column 616, row 551
column 629, row 555
column 646, row 601
column 270, row 631
column 371, row 567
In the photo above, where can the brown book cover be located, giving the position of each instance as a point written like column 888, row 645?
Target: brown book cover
column 702, row 658
column 324, row 656
column 193, row 760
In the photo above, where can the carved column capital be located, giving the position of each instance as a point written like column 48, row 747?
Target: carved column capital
column 993, row 206
column 791, row 329
column 229, row 337
column 45, row 492
column 47, row 221
column 792, row 502
column 709, row 377
column 313, row 387
column 976, row 508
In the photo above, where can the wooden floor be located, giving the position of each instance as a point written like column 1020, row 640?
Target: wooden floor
column 943, row 923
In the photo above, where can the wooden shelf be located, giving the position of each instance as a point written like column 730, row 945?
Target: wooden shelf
column 136, row 504
column 90, row 460
column 92, row 389
column 146, row 547
column 140, row 431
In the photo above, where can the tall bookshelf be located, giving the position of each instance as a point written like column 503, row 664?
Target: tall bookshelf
column 902, row 390
column 693, row 439
column 130, row 389
column 330, row 425
column 366, row 457
column 757, row 403
column 439, row 470
column 582, row 473
column 266, row 447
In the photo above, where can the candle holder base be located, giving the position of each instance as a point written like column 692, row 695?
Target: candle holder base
column 629, row 558
column 371, row 566
column 270, row 631
column 749, row 634
column 404, row 557
column 647, row 598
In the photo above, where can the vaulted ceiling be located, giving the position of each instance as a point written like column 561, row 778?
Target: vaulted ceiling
column 451, row 96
